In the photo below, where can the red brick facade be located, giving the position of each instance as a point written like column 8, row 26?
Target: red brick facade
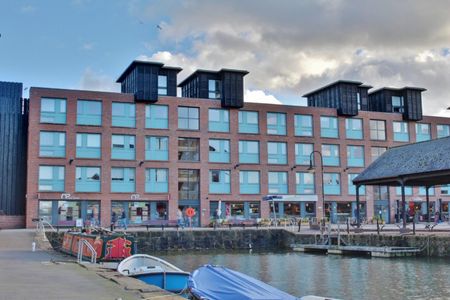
column 204, row 166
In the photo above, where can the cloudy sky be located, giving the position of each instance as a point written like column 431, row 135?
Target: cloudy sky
column 289, row 46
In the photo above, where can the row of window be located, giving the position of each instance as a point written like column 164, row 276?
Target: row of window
column 89, row 112
column 88, row 145
column 88, row 179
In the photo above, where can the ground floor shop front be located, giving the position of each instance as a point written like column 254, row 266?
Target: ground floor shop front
column 73, row 212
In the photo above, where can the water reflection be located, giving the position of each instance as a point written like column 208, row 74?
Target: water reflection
column 333, row 276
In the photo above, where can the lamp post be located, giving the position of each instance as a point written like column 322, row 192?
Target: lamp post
column 312, row 169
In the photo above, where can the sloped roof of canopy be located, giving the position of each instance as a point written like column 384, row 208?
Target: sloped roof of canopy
column 419, row 164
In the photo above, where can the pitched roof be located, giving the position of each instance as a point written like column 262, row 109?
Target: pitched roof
column 420, row 164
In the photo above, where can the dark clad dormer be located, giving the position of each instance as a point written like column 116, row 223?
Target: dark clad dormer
column 407, row 101
column 226, row 85
column 148, row 80
column 346, row 96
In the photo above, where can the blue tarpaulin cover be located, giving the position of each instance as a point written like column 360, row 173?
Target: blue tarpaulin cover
column 220, row 283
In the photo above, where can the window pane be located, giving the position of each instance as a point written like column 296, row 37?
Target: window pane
column 93, row 140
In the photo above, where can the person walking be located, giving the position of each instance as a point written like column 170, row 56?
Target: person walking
column 123, row 220
column 113, row 220
column 180, row 218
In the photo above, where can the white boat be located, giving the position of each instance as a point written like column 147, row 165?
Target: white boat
column 155, row 271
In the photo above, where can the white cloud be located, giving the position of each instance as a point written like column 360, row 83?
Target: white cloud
column 292, row 47
column 260, row 97
column 94, row 81
column 87, row 46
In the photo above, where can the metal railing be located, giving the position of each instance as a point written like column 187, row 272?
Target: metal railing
column 81, row 244
column 41, row 224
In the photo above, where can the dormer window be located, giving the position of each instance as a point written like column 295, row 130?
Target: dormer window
column 358, row 101
column 397, row 104
column 214, row 89
column 162, row 85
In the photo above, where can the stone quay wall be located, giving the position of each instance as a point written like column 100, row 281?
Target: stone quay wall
column 437, row 245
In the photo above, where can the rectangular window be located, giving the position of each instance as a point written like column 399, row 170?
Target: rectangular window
column 53, row 110
column 249, row 182
column 352, row 187
column 332, row 183
column 219, row 182
column 52, row 144
column 123, row 147
column 218, row 120
column 278, row 182
column 162, row 85
column 89, row 112
column 157, row 116
column 87, row 179
column 354, row 129
column 443, row 131
column 276, row 123
column 445, row 189
column 248, row 122
column 156, row 180
column 303, row 153
column 423, row 132
column 188, row 184
column 219, row 151
column 51, row 178
column 214, row 89
column 249, row 152
column 330, row 155
column 304, row 183
column 123, row 114
column 157, row 148
column 276, row 153
column 188, row 118
column 376, row 152
column 188, row 149
column 408, row 191
column 123, row 180
column 355, row 156
column 380, row 192
column 377, row 130
column 397, row 104
column 401, row 133
column 88, row 145
column 423, row 192
column 303, row 125
column 329, row 127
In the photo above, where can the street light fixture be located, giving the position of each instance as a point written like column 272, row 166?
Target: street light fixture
column 312, row 169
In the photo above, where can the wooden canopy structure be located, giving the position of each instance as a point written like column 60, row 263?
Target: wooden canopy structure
column 424, row 164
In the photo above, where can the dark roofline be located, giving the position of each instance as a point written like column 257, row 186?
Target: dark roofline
column 411, row 178
column 398, row 89
column 140, row 62
column 244, row 72
column 331, row 84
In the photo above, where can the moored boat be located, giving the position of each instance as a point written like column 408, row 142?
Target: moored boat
column 108, row 246
column 220, row 283
column 155, row 271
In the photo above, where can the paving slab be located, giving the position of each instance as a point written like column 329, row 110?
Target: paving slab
column 50, row 275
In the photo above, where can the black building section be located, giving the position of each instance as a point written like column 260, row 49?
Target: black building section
column 348, row 97
column 407, row 101
column 226, row 85
column 147, row 80
column 13, row 148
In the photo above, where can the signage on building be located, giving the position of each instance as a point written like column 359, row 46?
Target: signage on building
column 68, row 196
column 291, row 198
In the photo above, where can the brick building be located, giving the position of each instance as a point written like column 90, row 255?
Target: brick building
column 92, row 155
